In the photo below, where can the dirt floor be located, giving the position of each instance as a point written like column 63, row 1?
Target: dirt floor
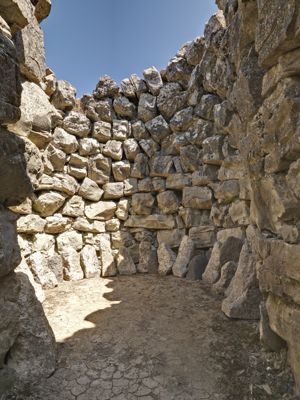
column 152, row 338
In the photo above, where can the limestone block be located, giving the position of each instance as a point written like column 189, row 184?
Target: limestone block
column 113, row 190
column 142, row 203
column 89, row 262
column 121, row 129
column 168, row 202
column 158, row 128
column 139, row 131
column 88, row 146
column 124, row 107
column 131, row 149
column 71, row 262
column 101, row 211
column 205, row 175
column 57, row 224
column 31, row 224
column 74, row 207
column 185, row 254
column 147, row 107
column 190, row 158
column 161, row 166
column 10, row 253
column 122, row 209
column 41, row 270
column 140, row 167
column 178, row 181
column 243, row 295
column 203, row 236
column 106, row 87
column 59, row 182
column 64, row 96
column 212, row 147
column 108, row 263
column 125, row 263
column 154, row 221
column 69, row 239
column 166, row 259
column 171, row 99
column 114, row 150
column 102, row 131
column 197, row 267
column 77, row 124
column 153, row 80
column 148, row 262
column 89, row 190
column 48, row 203
column 197, row 197
column 182, row 120
column 65, row 141
column 121, row 170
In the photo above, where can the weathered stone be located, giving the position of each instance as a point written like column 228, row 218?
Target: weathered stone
column 227, row 191
column 106, row 87
column 48, row 203
column 24, row 208
column 58, row 182
column 130, row 186
column 190, row 158
column 124, row 108
column 41, row 270
column 140, row 167
column 171, row 238
column 138, row 84
column 170, row 100
column 26, row 341
column 178, row 181
column 89, row 262
column 31, row 224
column 148, row 262
column 121, row 129
column 44, row 243
column 182, row 120
column 153, row 80
column 197, row 267
column 88, row 146
column 147, row 107
column 228, row 271
column 243, row 296
column 131, row 149
column 125, row 263
column 99, row 169
column 239, row 212
column 89, row 190
column 149, row 146
column 101, row 211
column 77, row 124
column 153, row 221
column 113, row 149
column 64, row 96
column 197, row 197
column 166, row 259
column 203, row 236
column 103, row 111
column 74, row 207
column 114, row 190
column 178, row 70
column 57, row 224
column 112, row 225
column 158, row 128
column 65, row 141
column 185, row 254
column 142, row 203
column 168, row 202
column 213, row 150
column 10, row 254
column 77, row 172
column 102, row 131
column 29, row 44
column 161, row 166
column 108, row 263
column 56, row 157
column 122, row 209
column 71, row 262
column 37, row 114
column 139, row 131
column 205, row 175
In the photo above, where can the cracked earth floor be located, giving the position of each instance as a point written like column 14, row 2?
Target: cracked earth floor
column 152, row 338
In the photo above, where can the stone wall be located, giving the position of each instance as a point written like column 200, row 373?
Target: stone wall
column 192, row 170
column 27, row 345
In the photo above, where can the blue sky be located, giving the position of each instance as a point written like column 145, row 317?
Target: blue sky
column 85, row 39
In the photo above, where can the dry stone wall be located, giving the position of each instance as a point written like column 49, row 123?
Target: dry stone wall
column 191, row 171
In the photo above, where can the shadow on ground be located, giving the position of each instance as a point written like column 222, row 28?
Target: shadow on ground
column 146, row 337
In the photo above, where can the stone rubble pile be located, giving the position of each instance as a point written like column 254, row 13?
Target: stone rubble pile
column 191, row 171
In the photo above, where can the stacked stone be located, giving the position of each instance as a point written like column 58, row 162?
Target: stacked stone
column 27, row 344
